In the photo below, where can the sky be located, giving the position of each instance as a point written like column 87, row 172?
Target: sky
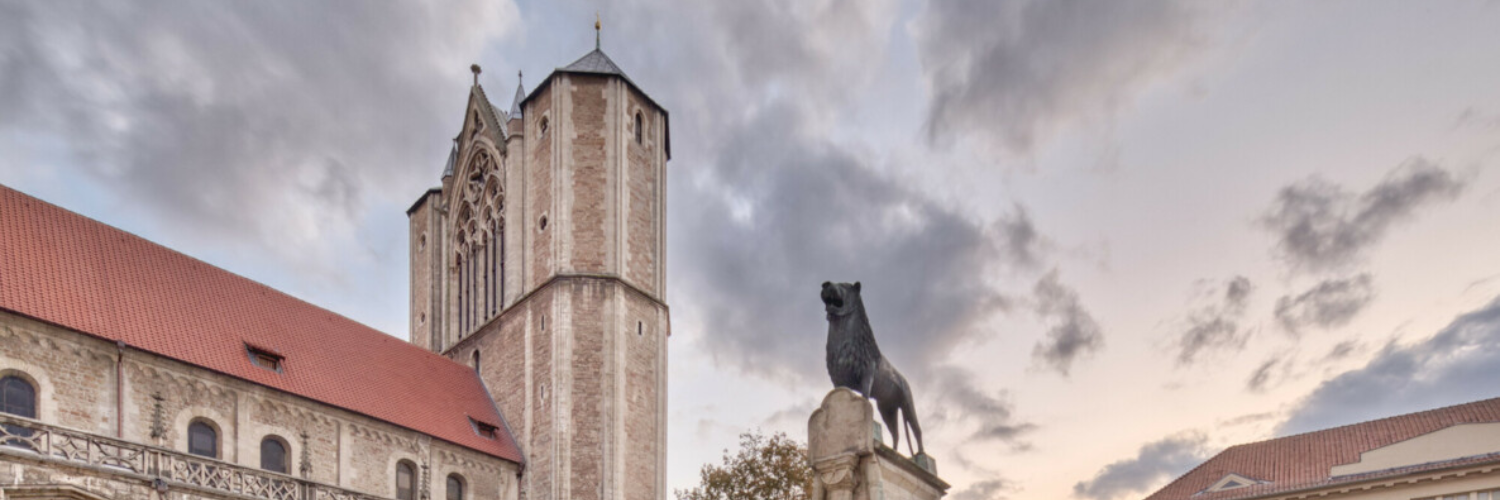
column 1103, row 239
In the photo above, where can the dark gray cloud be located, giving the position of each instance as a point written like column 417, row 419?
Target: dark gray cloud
column 1215, row 325
column 1459, row 364
column 1019, row 70
column 1320, row 226
column 1329, row 304
column 1024, row 246
column 1156, row 461
column 250, row 121
column 1072, row 334
column 777, row 212
column 708, row 57
column 957, row 401
column 989, row 489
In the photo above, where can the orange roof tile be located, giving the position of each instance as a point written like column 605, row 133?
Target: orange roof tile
column 1304, row 460
column 66, row 269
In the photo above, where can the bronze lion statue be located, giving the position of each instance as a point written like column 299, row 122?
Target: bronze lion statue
column 854, row 361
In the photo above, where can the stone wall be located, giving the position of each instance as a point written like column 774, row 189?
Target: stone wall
column 539, row 168
column 590, row 207
column 75, row 377
column 644, row 195
column 424, row 246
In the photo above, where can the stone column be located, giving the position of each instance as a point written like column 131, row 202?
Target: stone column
column 850, row 463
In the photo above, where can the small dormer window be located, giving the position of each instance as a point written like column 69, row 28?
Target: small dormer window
column 484, row 430
column 265, row 358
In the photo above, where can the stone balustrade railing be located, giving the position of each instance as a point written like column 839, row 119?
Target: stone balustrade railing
column 166, row 468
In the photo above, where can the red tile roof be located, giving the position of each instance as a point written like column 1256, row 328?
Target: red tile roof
column 1304, row 460
column 66, row 269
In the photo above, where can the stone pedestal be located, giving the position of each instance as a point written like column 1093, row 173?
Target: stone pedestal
column 849, row 463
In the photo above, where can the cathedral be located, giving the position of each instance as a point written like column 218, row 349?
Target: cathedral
column 536, row 366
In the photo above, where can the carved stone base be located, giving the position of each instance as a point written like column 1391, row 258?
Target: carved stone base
column 850, row 464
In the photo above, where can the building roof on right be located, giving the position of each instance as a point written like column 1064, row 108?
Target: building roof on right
column 1407, row 446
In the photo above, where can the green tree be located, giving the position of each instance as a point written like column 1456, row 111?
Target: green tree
column 773, row 468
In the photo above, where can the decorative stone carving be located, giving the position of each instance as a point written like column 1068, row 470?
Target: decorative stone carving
column 158, row 421
column 849, row 462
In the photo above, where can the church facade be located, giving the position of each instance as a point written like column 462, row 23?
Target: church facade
column 536, row 366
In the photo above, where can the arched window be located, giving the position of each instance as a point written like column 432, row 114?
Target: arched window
column 406, row 481
column 543, row 129
column 476, row 360
column 203, row 439
column 17, row 397
column 455, row 487
column 637, row 127
column 273, row 455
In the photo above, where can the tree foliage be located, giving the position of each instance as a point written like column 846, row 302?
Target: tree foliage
column 773, row 468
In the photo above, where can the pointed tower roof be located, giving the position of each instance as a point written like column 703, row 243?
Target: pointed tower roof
column 594, row 62
column 515, row 105
column 452, row 160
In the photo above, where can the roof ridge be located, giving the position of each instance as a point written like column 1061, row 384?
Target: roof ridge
column 1414, row 414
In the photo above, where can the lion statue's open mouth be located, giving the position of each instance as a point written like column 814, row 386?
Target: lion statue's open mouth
column 833, row 301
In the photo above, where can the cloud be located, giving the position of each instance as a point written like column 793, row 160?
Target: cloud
column 776, row 212
column 1459, row 364
column 1164, row 459
column 1216, row 325
column 1018, row 71
column 1321, row 226
column 1022, row 243
column 745, row 55
column 1261, row 375
column 1341, row 350
column 1246, row 419
column 251, row 121
column 1330, row 304
column 989, row 489
column 1074, row 333
column 958, row 401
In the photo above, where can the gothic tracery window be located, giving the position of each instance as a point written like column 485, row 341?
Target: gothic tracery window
column 479, row 257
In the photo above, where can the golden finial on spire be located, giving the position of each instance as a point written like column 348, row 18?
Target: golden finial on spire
column 598, row 24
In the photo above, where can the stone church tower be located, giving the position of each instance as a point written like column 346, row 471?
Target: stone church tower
column 540, row 261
